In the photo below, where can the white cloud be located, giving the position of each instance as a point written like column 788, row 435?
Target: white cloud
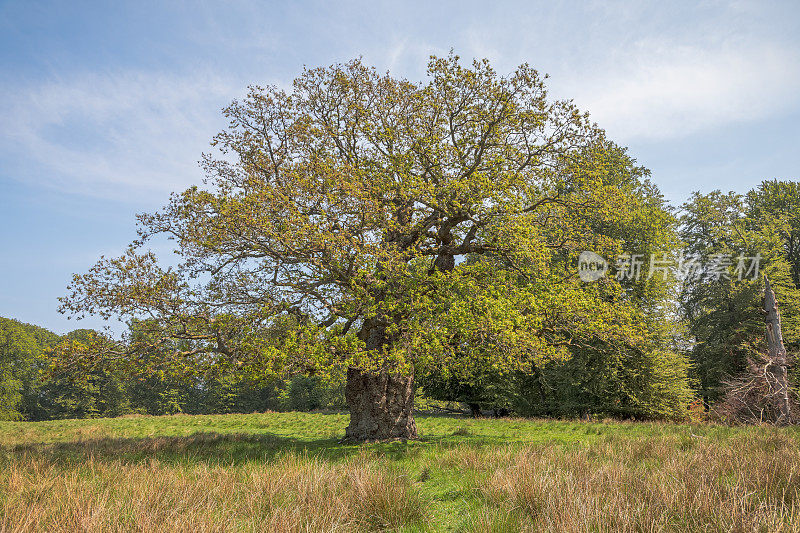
column 139, row 134
column 659, row 90
column 112, row 135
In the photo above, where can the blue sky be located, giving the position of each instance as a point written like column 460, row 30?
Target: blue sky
column 105, row 110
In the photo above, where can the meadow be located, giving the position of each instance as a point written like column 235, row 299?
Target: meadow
column 288, row 472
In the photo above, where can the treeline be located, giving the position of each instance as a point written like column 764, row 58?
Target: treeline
column 695, row 325
column 30, row 390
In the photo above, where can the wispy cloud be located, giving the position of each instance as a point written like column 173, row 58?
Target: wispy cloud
column 137, row 131
column 111, row 134
column 659, row 90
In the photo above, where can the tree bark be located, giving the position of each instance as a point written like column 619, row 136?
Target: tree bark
column 777, row 372
column 380, row 406
column 381, row 403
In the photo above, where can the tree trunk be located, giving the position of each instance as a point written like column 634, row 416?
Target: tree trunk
column 475, row 410
column 380, row 406
column 776, row 356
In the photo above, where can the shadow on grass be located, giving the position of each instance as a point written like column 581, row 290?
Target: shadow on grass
column 225, row 448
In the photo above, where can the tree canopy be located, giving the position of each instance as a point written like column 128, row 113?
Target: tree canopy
column 398, row 226
column 723, row 311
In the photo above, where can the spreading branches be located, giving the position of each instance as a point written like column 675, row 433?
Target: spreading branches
column 341, row 202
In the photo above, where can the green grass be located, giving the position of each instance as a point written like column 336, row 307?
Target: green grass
column 288, row 472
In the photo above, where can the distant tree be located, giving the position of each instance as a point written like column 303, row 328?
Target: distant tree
column 349, row 203
column 83, row 391
column 721, row 310
column 18, row 357
column 23, row 360
column 777, row 203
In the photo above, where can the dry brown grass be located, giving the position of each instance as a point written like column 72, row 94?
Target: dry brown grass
column 663, row 484
column 290, row 494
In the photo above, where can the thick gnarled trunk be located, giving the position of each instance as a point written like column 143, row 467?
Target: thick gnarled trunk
column 381, row 403
column 381, row 406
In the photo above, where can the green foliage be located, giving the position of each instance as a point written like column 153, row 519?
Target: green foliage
column 777, row 204
column 724, row 313
column 309, row 393
column 21, row 350
column 643, row 385
column 606, row 347
column 111, row 386
column 83, row 391
column 368, row 221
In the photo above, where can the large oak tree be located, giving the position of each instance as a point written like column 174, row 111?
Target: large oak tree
column 333, row 227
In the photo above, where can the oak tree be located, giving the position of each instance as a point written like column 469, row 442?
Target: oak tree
column 346, row 207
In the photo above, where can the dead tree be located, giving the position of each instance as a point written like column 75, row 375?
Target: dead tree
column 777, row 369
column 762, row 393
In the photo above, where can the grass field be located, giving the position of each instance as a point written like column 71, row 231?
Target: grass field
column 287, row 472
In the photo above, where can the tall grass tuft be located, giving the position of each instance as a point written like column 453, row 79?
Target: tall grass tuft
column 662, row 484
column 293, row 493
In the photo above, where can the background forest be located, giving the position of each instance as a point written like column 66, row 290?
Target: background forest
column 697, row 331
